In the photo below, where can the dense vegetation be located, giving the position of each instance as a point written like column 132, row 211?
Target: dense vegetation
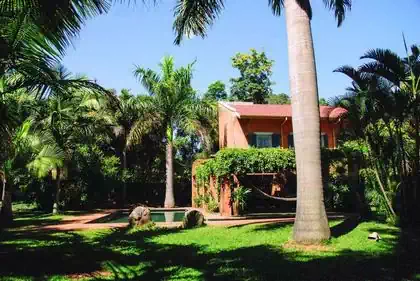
column 383, row 104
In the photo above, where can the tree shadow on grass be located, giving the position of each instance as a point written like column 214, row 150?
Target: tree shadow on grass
column 272, row 226
column 192, row 262
column 124, row 255
column 38, row 253
column 345, row 227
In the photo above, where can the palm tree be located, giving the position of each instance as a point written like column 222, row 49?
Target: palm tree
column 367, row 102
column 193, row 17
column 403, row 77
column 388, row 85
column 130, row 121
column 177, row 105
column 58, row 120
column 58, row 21
column 16, row 146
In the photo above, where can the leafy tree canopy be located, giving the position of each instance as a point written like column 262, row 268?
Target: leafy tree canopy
column 254, row 82
column 279, row 99
column 323, row 101
column 216, row 91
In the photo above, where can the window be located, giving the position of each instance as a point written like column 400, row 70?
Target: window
column 290, row 141
column 324, row 140
column 264, row 140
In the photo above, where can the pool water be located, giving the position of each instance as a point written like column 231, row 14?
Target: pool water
column 157, row 216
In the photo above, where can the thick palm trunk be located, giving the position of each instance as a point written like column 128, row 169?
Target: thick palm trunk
column 311, row 224
column 169, row 194
column 3, row 192
column 6, row 212
column 124, row 191
column 56, row 209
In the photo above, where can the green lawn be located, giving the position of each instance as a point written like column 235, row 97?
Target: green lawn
column 253, row 252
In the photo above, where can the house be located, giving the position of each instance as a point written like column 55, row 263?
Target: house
column 244, row 124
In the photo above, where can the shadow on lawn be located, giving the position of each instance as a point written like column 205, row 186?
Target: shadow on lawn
column 136, row 257
column 345, row 226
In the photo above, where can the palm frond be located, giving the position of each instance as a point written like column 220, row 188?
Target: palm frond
column 50, row 157
column 339, row 7
column 139, row 130
column 193, row 17
column 385, row 61
column 276, row 6
column 148, row 78
column 59, row 20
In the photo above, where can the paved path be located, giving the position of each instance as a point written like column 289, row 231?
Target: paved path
column 85, row 222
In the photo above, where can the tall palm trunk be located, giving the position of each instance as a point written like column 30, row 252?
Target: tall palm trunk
column 124, row 191
column 169, row 194
column 57, row 194
column 3, row 193
column 311, row 224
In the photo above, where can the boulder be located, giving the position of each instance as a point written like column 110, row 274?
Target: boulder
column 193, row 218
column 139, row 216
column 374, row 236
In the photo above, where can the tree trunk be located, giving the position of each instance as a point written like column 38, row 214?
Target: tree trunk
column 417, row 162
column 311, row 223
column 169, row 194
column 124, row 191
column 382, row 188
column 56, row 208
column 3, row 193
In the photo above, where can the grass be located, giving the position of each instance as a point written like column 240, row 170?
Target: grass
column 253, row 252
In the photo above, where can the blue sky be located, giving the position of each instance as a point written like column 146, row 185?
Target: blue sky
column 110, row 46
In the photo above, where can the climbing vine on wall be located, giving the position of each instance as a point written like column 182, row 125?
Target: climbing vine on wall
column 234, row 161
column 228, row 162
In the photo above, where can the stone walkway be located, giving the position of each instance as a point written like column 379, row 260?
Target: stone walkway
column 84, row 222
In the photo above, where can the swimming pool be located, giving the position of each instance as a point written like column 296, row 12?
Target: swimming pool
column 156, row 215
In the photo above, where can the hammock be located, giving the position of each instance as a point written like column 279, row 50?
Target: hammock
column 265, row 195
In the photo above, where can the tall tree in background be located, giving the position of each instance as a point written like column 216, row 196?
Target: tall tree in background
column 177, row 106
column 254, row 82
column 216, row 91
column 60, row 117
column 194, row 17
column 323, row 101
column 279, row 99
column 130, row 122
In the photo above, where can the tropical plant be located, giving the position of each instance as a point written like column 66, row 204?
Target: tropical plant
column 383, row 104
column 178, row 107
column 64, row 115
column 130, row 122
column 58, row 21
column 194, row 17
column 17, row 144
column 240, row 196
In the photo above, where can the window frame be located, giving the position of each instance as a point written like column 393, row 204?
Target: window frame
column 264, row 134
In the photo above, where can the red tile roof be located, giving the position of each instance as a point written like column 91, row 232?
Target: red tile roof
column 245, row 110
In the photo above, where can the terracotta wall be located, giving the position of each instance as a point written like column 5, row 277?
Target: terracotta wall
column 233, row 132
